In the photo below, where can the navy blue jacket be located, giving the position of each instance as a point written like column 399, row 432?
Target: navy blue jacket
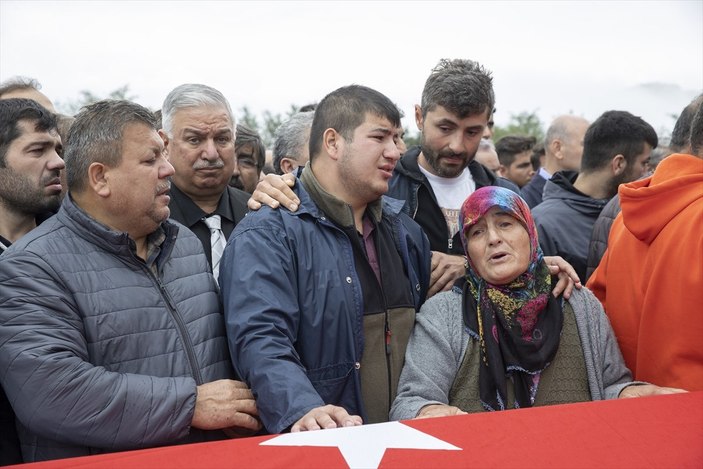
column 294, row 306
column 532, row 192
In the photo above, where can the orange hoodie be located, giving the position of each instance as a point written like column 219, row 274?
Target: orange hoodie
column 650, row 279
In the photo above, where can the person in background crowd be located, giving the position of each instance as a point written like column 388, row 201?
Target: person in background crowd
column 291, row 147
column 537, row 158
column 30, row 167
column 199, row 133
column 514, row 154
column 117, row 304
column 616, row 150
column 250, row 156
column 563, row 149
column 22, row 87
column 650, row 279
column 30, row 192
column 487, row 156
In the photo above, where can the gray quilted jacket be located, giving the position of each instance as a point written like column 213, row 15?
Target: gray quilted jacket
column 97, row 353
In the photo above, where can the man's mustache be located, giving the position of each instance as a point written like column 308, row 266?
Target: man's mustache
column 204, row 164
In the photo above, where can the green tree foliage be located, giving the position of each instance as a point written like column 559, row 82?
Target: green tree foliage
column 72, row 107
column 410, row 138
column 270, row 122
column 525, row 123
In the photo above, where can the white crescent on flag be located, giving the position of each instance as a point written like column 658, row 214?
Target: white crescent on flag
column 365, row 445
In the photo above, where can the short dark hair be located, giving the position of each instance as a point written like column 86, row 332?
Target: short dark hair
column 96, row 136
column 613, row 133
column 512, row 145
column 246, row 135
column 14, row 110
column 696, row 136
column 461, row 86
column 682, row 129
column 308, row 107
column 345, row 109
column 538, row 152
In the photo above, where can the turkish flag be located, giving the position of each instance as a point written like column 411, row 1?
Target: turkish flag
column 660, row 431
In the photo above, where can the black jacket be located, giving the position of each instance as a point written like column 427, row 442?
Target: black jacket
column 532, row 192
column 565, row 220
column 231, row 209
column 601, row 231
column 409, row 184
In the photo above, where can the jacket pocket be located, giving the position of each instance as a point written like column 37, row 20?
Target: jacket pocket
column 334, row 384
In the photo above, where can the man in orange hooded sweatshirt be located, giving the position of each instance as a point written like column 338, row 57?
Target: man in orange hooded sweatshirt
column 650, row 279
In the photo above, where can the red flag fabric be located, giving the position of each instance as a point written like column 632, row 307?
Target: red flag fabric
column 650, row 432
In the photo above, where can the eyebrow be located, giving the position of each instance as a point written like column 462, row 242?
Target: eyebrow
column 384, row 130
column 42, row 143
column 445, row 121
column 195, row 131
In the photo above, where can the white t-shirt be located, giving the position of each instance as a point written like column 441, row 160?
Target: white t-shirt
column 450, row 194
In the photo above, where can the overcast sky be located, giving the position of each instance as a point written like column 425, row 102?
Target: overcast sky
column 552, row 57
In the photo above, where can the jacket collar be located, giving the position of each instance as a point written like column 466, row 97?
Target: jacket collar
column 115, row 242
column 190, row 211
column 339, row 211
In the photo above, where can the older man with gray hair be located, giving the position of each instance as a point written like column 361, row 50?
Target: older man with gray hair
column 290, row 148
column 563, row 149
column 199, row 138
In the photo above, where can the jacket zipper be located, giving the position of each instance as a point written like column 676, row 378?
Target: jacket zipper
column 180, row 327
column 386, row 331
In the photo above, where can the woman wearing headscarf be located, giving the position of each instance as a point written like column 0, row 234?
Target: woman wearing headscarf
column 500, row 339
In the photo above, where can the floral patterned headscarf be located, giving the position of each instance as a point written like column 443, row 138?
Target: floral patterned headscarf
column 518, row 325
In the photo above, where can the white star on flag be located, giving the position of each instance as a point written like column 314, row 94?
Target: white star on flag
column 365, row 445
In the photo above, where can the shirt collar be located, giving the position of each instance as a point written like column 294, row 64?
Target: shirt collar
column 192, row 214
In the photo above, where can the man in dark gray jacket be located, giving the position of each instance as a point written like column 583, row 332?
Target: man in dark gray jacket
column 111, row 331
column 616, row 150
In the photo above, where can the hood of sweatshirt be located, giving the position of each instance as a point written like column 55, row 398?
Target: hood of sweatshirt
column 648, row 205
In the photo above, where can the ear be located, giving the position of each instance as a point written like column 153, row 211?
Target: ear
column 419, row 121
column 164, row 137
column 331, row 143
column 288, row 165
column 618, row 164
column 501, row 171
column 556, row 148
column 98, row 179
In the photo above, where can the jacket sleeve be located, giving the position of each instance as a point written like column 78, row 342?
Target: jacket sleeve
column 599, row 237
column 608, row 374
column 54, row 389
column 259, row 287
column 432, row 358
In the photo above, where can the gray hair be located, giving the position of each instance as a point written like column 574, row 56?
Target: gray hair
column 96, row 137
column 463, row 87
column 559, row 129
column 19, row 83
column 192, row 95
column 291, row 138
